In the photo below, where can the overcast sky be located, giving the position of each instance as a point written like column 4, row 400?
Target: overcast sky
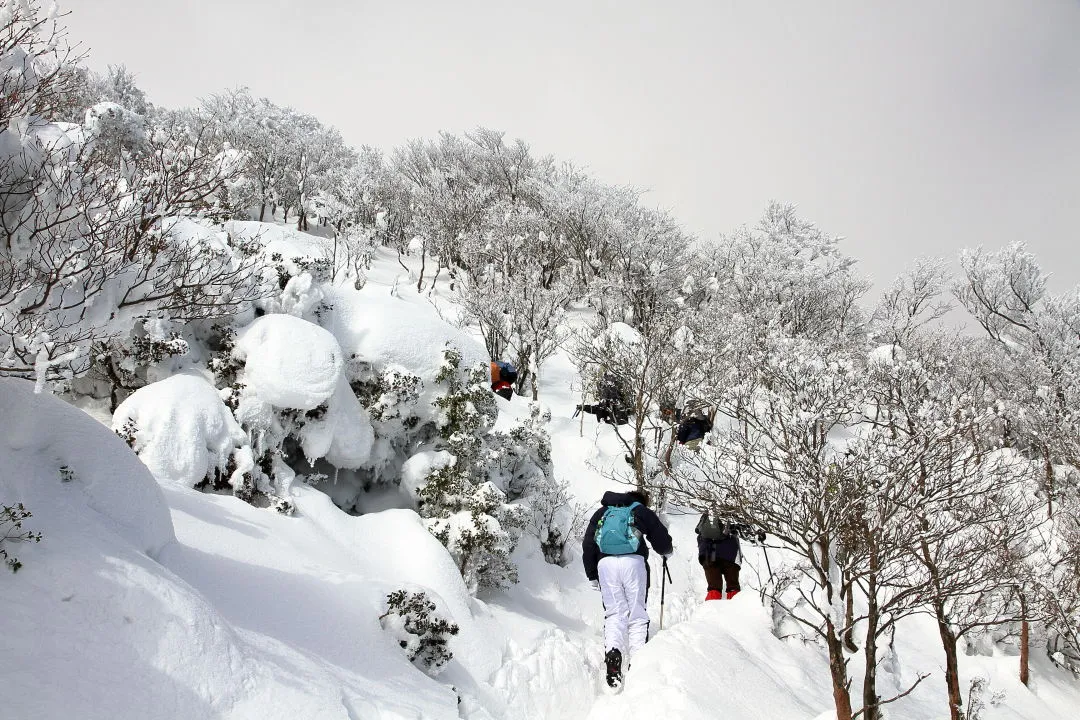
column 909, row 128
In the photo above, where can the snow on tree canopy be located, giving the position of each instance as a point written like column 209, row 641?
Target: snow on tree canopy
column 886, row 355
column 58, row 460
column 119, row 122
column 183, row 431
column 289, row 362
column 343, row 435
column 621, row 332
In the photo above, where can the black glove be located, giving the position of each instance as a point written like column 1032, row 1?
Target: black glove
column 761, row 536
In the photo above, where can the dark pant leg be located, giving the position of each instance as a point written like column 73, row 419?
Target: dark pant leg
column 714, row 576
column 721, row 571
column 731, row 575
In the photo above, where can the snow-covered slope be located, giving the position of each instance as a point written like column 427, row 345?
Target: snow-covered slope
column 151, row 600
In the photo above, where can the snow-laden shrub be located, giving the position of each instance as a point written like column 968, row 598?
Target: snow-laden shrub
column 11, row 531
column 517, row 460
column 465, row 412
column 132, row 360
column 978, row 700
column 481, row 537
column 184, row 433
column 411, row 618
column 293, row 400
column 465, row 511
column 555, row 519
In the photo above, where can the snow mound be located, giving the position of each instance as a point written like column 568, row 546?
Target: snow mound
column 183, row 431
column 60, row 462
column 286, row 241
column 94, row 628
column 718, row 664
column 388, row 332
column 289, row 362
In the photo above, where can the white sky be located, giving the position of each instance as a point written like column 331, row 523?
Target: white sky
column 910, row 128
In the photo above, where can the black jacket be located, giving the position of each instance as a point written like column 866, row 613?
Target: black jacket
column 645, row 520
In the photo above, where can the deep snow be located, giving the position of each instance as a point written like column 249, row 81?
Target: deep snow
column 147, row 599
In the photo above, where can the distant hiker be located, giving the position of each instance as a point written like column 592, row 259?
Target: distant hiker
column 503, row 377
column 615, row 558
column 611, row 406
column 692, row 430
column 718, row 553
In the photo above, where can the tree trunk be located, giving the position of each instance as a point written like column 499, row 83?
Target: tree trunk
column 262, row 211
column 1025, row 640
column 535, row 389
column 870, row 699
column 423, row 265
column 1049, row 470
column 838, row 671
column 849, row 620
column 952, row 674
column 639, row 452
column 837, row 661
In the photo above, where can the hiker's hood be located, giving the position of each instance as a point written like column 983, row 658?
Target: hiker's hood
column 612, row 498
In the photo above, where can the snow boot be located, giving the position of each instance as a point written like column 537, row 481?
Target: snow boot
column 732, row 593
column 714, row 595
column 613, row 660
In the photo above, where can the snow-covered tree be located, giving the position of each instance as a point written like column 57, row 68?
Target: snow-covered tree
column 90, row 216
column 465, row 511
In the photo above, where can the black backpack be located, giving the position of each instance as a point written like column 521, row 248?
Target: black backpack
column 710, row 528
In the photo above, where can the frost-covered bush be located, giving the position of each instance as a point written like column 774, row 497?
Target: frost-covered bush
column 521, row 458
column 555, row 519
column 11, row 531
column 411, row 618
column 180, row 428
column 481, row 538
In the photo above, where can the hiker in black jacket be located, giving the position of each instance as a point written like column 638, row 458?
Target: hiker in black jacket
column 718, row 553
column 623, row 578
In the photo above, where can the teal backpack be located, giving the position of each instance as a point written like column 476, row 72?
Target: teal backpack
column 615, row 533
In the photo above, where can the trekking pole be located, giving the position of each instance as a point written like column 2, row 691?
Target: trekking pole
column 765, row 551
column 665, row 577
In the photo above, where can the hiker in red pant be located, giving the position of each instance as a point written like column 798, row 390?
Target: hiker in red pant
column 718, row 553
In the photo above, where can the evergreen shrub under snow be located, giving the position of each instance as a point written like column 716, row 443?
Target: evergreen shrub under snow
column 423, row 634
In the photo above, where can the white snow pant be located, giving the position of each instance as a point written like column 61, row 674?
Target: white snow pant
column 623, row 587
